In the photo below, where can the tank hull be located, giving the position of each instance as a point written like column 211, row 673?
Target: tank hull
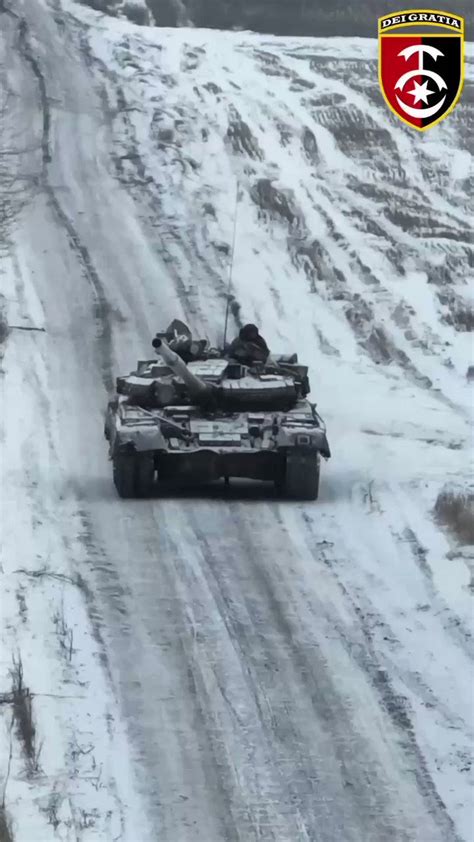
column 294, row 472
column 211, row 465
column 212, row 419
column 145, row 452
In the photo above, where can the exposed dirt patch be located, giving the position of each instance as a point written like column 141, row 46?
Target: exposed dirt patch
column 285, row 132
column 277, row 203
column 190, row 61
column 325, row 345
column 359, row 137
column 241, row 138
column 168, row 80
column 327, row 99
column 452, row 269
column 401, row 315
column 6, row 834
column 4, row 329
column 408, row 213
column 299, row 84
column 310, row 146
column 320, row 271
column 455, row 511
column 377, row 342
column 271, row 65
column 209, row 210
column 212, row 88
column 460, row 314
column 22, row 701
column 364, row 271
column 22, row 606
column 367, row 225
column 374, row 192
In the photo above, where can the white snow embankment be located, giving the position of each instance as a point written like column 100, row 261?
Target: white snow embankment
column 65, row 760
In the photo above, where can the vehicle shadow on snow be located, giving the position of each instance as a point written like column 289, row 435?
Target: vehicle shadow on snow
column 102, row 488
column 238, row 490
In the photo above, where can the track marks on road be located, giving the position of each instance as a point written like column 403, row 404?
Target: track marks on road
column 101, row 306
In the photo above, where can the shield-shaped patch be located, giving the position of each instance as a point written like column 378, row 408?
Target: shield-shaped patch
column 421, row 70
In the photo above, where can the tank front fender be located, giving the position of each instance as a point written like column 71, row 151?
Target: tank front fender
column 308, row 438
column 141, row 439
column 323, row 445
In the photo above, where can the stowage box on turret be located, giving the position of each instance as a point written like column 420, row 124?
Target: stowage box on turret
column 196, row 415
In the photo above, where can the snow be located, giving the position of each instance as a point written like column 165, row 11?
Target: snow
column 78, row 776
column 207, row 667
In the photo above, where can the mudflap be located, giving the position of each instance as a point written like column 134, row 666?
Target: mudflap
column 302, row 470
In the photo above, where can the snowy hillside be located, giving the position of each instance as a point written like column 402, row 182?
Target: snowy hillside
column 223, row 665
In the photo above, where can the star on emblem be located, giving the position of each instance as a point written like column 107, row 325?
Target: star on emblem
column 420, row 92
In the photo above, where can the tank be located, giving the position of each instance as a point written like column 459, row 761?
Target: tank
column 195, row 415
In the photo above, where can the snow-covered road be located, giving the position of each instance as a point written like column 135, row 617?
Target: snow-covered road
column 225, row 666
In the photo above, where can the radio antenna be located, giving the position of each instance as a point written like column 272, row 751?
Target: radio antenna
column 231, row 266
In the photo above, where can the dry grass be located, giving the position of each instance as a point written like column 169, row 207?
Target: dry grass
column 462, row 318
column 3, row 329
column 136, row 13
column 6, row 834
column 3, row 321
column 22, row 702
column 455, row 511
column 64, row 632
column 109, row 7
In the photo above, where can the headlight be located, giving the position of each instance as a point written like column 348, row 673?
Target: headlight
column 304, row 439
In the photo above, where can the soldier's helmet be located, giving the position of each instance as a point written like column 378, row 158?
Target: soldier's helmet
column 248, row 332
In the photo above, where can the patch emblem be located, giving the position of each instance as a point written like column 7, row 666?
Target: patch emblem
column 421, row 71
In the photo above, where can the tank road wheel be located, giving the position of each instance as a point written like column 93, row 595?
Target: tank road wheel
column 302, row 474
column 133, row 474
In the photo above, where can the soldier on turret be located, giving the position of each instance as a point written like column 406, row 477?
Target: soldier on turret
column 249, row 347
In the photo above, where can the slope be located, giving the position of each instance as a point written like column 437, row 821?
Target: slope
column 284, row 672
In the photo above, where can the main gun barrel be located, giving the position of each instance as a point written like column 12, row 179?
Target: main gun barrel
column 196, row 386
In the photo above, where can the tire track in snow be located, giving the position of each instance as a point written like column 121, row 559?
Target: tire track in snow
column 185, row 687
column 259, row 656
column 241, row 787
column 170, row 238
column 453, row 625
column 382, row 668
column 238, row 638
column 180, row 248
column 392, row 702
column 101, row 305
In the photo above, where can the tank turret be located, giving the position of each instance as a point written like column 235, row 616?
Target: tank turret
column 197, row 387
